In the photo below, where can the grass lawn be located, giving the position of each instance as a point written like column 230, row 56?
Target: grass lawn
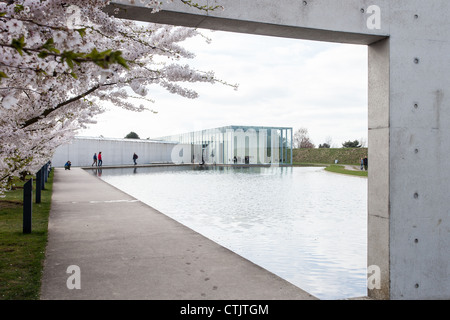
column 22, row 255
column 336, row 168
column 341, row 169
column 307, row 164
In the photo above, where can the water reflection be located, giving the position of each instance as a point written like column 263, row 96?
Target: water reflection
column 304, row 224
column 96, row 171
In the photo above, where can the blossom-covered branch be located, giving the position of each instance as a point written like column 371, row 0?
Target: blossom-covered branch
column 62, row 60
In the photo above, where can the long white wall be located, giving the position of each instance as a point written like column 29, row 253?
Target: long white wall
column 114, row 151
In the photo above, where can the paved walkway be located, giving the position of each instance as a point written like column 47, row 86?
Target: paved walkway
column 352, row 167
column 127, row 250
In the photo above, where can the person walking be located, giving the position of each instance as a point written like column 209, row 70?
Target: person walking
column 95, row 159
column 100, row 160
column 366, row 163
column 135, row 156
column 362, row 163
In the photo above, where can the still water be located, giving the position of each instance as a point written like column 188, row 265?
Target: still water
column 304, row 224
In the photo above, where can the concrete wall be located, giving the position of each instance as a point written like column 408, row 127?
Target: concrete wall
column 114, row 151
column 409, row 117
column 409, row 126
column 419, row 121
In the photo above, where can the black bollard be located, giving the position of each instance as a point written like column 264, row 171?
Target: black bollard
column 45, row 172
column 42, row 179
column 38, row 186
column 27, row 205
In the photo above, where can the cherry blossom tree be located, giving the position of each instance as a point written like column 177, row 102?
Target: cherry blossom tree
column 62, row 60
column 302, row 140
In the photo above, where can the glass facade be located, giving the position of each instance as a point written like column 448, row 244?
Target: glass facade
column 234, row 145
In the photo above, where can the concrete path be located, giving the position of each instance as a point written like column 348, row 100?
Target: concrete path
column 352, row 167
column 127, row 250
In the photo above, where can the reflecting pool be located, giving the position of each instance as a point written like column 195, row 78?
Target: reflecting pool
column 304, row 224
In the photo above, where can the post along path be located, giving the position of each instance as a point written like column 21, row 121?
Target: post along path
column 125, row 249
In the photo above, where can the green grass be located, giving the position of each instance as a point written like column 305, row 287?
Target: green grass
column 340, row 169
column 22, row 255
column 328, row 155
column 309, row 164
column 325, row 158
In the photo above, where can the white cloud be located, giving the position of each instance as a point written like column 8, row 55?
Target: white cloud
column 282, row 82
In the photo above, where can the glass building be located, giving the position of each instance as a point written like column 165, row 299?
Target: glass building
column 234, row 145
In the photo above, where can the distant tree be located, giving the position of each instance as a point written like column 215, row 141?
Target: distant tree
column 302, row 140
column 325, row 145
column 351, row 144
column 132, row 135
column 307, row 144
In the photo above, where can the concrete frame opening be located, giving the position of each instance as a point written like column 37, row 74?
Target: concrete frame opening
column 409, row 118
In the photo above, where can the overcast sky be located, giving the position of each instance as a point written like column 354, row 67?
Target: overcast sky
column 282, row 82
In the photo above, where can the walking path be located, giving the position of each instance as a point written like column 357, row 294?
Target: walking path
column 352, row 167
column 127, row 250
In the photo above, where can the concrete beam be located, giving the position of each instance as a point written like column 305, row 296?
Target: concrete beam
column 316, row 20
